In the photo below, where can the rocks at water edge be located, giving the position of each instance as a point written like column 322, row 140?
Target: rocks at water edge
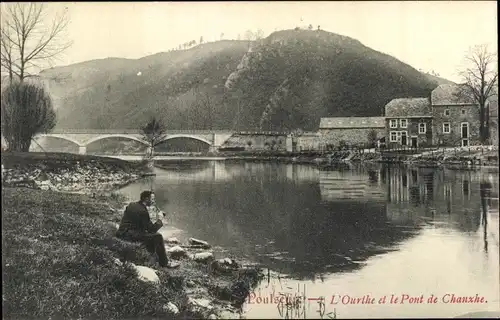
column 118, row 262
column 200, row 304
column 203, row 256
column 45, row 185
column 176, row 252
column 146, row 274
column 84, row 178
column 172, row 240
column 200, row 243
column 227, row 264
column 171, row 308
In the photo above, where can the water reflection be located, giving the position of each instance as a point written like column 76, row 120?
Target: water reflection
column 304, row 221
column 311, row 223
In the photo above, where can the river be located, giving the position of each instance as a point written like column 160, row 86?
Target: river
column 343, row 233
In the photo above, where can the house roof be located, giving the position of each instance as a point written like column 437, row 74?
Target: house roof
column 352, row 122
column 408, row 107
column 450, row 94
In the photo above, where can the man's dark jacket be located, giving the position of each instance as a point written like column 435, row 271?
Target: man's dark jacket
column 136, row 224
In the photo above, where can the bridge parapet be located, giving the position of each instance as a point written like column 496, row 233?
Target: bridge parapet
column 134, row 131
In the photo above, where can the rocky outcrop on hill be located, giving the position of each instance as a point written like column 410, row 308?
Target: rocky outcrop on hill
column 230, row 84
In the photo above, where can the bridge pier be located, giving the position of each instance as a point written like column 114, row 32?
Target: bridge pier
column 212, row 149
column 289, row 143
column 82, row 149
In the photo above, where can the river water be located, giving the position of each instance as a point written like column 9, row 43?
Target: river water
column 347, row 232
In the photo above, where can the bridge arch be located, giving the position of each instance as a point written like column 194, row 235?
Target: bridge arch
column 189, row 136
column 125, row 136
column 58, row 136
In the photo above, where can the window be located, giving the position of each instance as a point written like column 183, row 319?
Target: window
column 394, row 123
column 463, row 111
column 402, row 123
column 446, row 127
column 422, row 127
column 393, row 136
column 447, row 112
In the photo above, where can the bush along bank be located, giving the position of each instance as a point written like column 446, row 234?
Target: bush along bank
column 61, row 260
column 68, row 172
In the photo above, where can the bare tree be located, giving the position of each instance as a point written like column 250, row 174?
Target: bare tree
column 26, row 111
column 208, row 110
column 28, row 39
column 259, row 34
column 154, row 132
column 480, row 78
column 249, row 35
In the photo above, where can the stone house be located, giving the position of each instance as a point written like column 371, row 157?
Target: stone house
column 455, row 117
column 408, row 122
column 307, row 141
column 446, row 118
column 352, row 131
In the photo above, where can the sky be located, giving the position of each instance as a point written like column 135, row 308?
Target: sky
column 428, row 35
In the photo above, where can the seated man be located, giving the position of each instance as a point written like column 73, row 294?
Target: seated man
column 137, row 226
column 154, row 212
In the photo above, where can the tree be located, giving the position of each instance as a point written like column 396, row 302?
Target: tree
column 372, row 138
column 249, row 35
column 480, row 78
column 28, row 40
column 207, row 110
column 26, row 111
column 259, row 34
column 154, row 132
column 201, row 39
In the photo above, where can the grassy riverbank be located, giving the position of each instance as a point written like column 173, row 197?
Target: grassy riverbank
column 61, row 259
column 54, row 160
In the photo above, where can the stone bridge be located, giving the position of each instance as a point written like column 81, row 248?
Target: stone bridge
column 82, row 138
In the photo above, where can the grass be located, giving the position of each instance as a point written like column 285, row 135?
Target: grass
column 59, row 261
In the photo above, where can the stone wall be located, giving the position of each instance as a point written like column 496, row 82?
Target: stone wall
column 307, row 142
column 455, row 118
column 350, row 136
column 256, row 141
